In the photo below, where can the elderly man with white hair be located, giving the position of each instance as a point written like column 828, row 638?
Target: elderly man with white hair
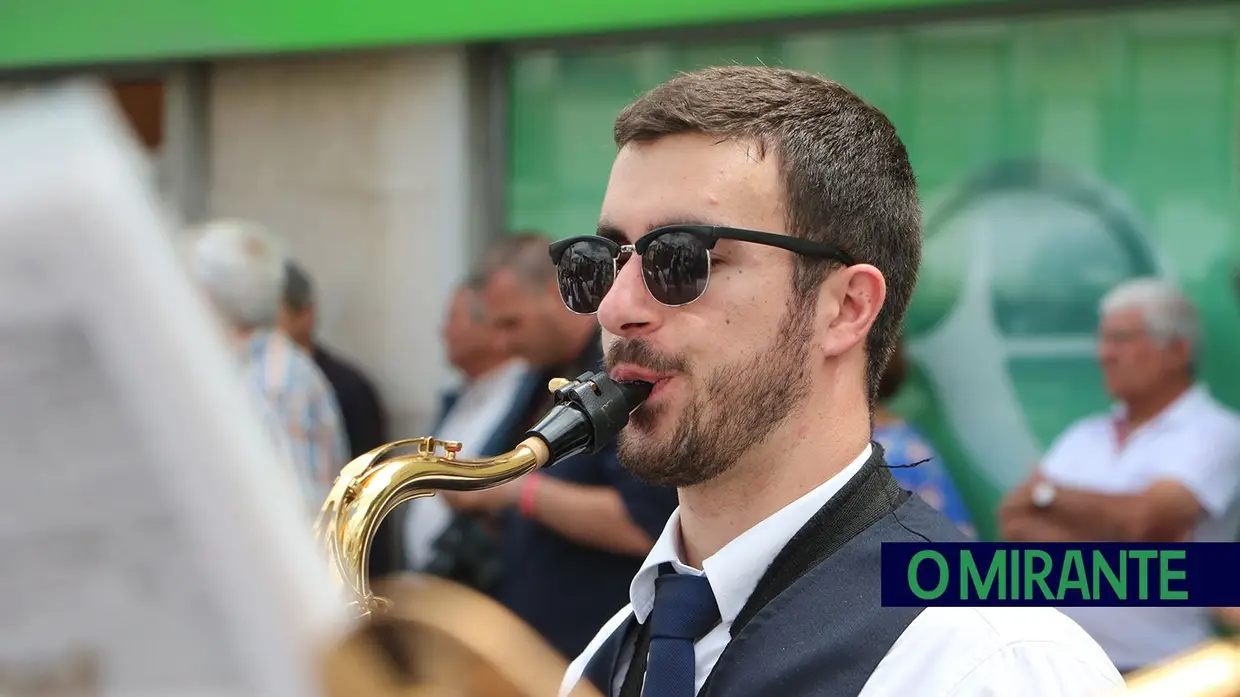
column 1162, row 466
column 240, row 266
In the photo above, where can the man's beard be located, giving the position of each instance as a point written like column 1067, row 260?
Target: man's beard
column 738, row 406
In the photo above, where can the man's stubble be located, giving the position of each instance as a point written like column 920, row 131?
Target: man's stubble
column 738, row 406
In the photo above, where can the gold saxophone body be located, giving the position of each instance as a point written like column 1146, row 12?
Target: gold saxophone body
column 587, row 414
column 425, row 636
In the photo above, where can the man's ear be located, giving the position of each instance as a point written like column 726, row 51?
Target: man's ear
column 1184, row 351
column 848, row 303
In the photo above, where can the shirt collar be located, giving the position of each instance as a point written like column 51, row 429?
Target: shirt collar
column 258, row 343
column 1183, row 406
column 735, row 570
column 494, row 377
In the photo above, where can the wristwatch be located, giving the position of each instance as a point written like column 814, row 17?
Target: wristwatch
column 1043, row 494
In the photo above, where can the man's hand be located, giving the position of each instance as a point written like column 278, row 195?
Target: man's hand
column 491, row 500
column 1165, row 511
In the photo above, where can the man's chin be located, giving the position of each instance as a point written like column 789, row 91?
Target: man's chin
column 659, row 462
column 635, row 439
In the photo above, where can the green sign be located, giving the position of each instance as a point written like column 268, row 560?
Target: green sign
column 60, row 32
column 1056, row 157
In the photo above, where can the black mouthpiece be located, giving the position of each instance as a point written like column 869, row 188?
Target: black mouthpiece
column 588, row 413
column 634, row 392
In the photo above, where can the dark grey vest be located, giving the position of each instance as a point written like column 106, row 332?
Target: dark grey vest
column 814, row 624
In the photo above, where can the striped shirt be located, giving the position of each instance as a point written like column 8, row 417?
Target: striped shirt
column 277, row 438
column 303, row 403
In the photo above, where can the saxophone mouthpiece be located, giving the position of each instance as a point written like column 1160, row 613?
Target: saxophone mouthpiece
column 589, row 412
column 635, row 392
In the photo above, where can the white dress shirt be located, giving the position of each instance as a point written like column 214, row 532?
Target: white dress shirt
column 956, row 652
column 471, row 421
column 1195, row 441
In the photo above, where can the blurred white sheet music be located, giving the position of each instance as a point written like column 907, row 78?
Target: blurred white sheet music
column 149, row 547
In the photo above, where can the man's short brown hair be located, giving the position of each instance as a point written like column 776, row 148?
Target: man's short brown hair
column 846, row 174
column 893, row 375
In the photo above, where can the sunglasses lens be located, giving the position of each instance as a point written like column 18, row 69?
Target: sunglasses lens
column 676, row 267
column 586, row 271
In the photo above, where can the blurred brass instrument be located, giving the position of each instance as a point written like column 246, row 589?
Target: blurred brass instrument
column 439, row 637
column 1211, row 670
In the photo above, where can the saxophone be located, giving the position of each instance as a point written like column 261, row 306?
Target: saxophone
column 587, row 414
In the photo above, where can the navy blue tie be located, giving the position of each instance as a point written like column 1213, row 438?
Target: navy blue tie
column 684, row 612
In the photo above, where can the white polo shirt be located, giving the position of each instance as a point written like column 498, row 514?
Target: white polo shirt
column 1194, row 441
column 944, row 652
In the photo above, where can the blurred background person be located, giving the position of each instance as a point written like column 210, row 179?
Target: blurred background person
column 240, row 266
column 914, row 462
column 1162, row 466
column 365, row 422
column 1230, row 616
column 480, row 413
column 574, row 535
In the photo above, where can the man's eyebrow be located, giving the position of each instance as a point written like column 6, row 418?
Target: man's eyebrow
column 613, row 232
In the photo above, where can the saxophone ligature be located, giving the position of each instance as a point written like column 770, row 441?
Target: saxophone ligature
column 587, row 413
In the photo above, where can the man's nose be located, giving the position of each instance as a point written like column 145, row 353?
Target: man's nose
column 628, row 310
column 1109, row 354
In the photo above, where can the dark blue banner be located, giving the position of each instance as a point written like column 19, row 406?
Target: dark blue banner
column 975, row 574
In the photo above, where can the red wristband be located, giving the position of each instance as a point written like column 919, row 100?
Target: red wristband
column 526, row 497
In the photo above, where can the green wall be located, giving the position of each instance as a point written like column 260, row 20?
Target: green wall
column 63, row 32
column 1056, row 157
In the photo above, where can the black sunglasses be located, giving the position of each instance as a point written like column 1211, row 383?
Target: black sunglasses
column 675, row 262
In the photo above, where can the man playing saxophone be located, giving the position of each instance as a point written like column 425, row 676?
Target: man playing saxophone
column 758, row 244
